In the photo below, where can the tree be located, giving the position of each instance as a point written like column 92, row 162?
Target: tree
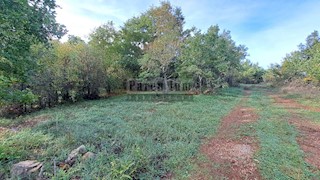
column 312, row 39
column 292, row 65
column 23, row 23
column 251, row 73
column 42, row 80
column 134, row 36
column 164, row 49
column 302, row 63
column 211, row 56
column 192, row 61
column 105, row 41
column 91, row 72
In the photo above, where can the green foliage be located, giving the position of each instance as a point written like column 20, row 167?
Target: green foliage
column 192, row 62
column 251, row 73
column 38, row 72
column 273, row 74
column 210, row 57
column 136, row 33
column 22, row 145
column 67, row 72
column 162, row 51
column 300, row 64
column 121, row 171
column 11, row 95
column 23, row 23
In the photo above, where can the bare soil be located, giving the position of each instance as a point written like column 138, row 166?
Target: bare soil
column 230, row 156
column 27, row 123
column 292, row 104
column 309, row 137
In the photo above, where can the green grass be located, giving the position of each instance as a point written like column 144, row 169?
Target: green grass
column 305, row 99
column 147, row 140
column 279, row 157
column 144, row 140
column 310, row 116
column 307, row 114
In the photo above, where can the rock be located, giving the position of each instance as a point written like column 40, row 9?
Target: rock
column 74, row 154
column 87, row 156
column 27, row 168
column 81, row 149
column 208, row 91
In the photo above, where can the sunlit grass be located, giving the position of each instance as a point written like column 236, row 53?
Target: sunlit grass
column 279, row 157
column 143, row 140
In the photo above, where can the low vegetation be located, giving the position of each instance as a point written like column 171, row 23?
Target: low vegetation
column 280, row 156
column 143, row 140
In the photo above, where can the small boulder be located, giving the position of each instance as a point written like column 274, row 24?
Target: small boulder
column 88, row 155
column 81, row 149
column 74, row 154
column 27, row 168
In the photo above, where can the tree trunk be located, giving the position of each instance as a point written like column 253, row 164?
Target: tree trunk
column 165, row 83
column 200, row 84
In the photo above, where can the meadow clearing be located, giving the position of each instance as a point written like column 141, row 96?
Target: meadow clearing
column 241, row 133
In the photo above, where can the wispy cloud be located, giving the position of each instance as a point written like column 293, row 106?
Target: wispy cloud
column 270, row 28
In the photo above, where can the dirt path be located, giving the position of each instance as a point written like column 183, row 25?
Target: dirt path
column 292, row 104
column 309, row 137
column 230, row 155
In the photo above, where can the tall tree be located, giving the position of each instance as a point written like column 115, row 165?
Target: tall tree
column 192, row 61
column 23, row 23
column 161, row 53
column 135, row 35
column 104, row 40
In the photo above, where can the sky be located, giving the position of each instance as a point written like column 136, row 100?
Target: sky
column 269, row 28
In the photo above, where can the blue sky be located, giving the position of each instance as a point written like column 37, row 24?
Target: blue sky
column 269, row 28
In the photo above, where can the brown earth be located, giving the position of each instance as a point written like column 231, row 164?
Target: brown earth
column 31, row 122
column 309, row 137
column 230, row 156
column 292, row 104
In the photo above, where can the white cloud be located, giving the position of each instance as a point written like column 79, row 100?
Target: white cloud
column 81, row 18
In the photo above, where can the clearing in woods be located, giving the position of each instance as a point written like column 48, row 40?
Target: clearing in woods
column 255, row 133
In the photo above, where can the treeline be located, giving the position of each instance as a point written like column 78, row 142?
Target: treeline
column 302, row 64
column 38, row 71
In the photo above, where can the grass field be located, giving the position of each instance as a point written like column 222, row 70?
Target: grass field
column 142, row 140
column 151, row 140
